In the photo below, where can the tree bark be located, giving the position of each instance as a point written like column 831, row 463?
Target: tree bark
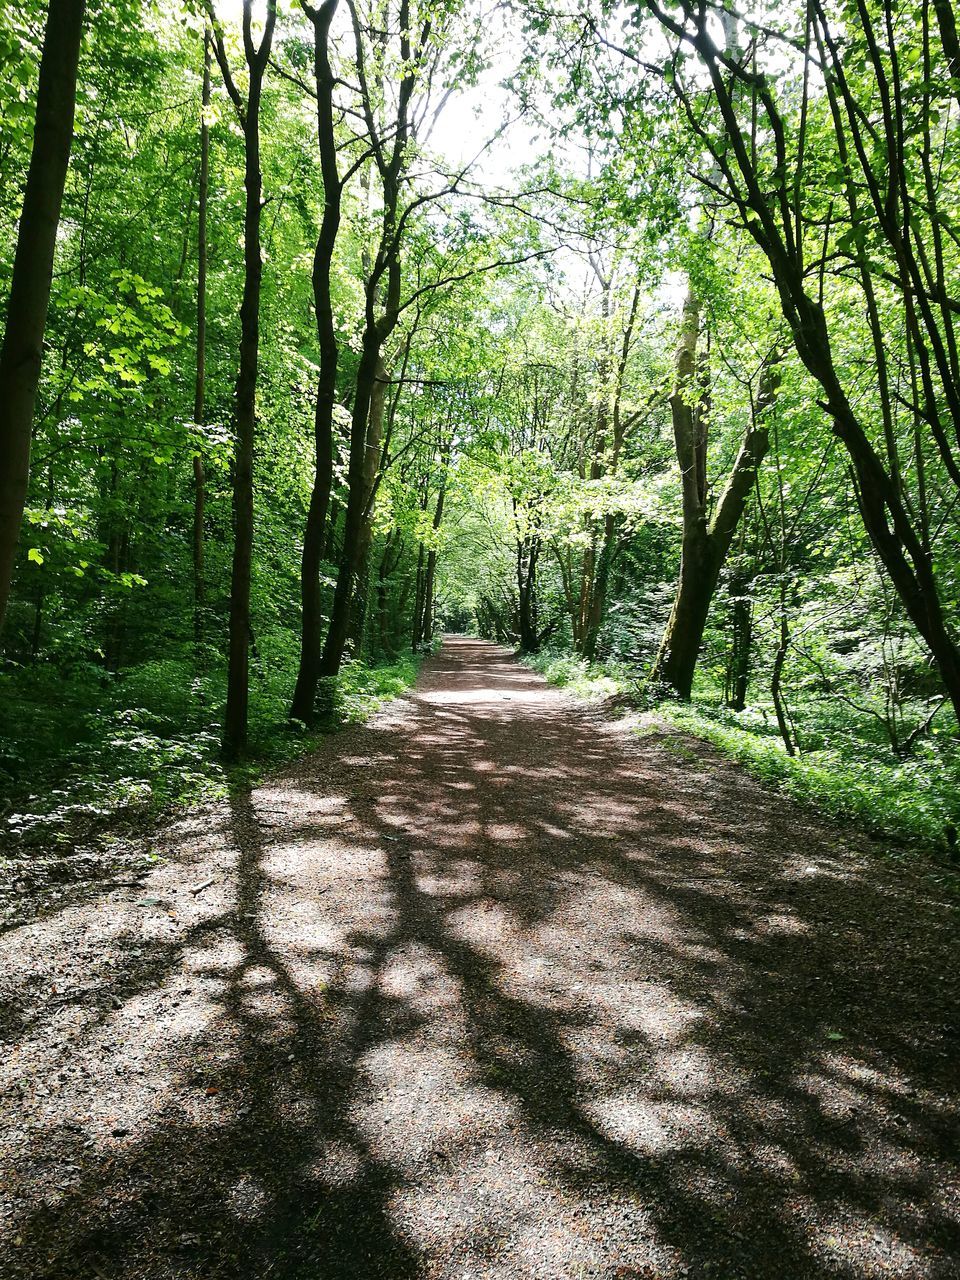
column 245, row 395
column 742, row 639
column 528, row 552
column 704, row 544
column 418, row 600
column 378, row 401
column 199, row 386
column 389, row 561
column 776, row 678
column 22, row 353
column 356, row 511
column 428, row 601
column 311, row 642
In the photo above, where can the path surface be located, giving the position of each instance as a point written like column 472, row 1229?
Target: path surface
column 487, row 988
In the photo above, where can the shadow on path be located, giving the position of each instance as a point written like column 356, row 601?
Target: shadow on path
column 487, row 990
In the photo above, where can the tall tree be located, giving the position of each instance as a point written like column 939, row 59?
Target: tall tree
column 389, row 143
column 311, row 637
column 22, row 353
column 200, row 383
column 877, row 211
column 705, row 540
column 245, row 393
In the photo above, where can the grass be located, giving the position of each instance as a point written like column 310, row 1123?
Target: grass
column 112, row 752
column 591, row 681
column 845, row 772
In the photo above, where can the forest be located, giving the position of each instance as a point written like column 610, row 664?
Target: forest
column 479, row 644
column 627, row 338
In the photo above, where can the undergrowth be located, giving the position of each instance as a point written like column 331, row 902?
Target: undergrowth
column 845, row 770
column 98, row 750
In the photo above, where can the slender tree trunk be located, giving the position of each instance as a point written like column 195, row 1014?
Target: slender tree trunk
column 527, row 556
column 383, row 619
column 776, row 678
column 311, row 642
column 381, row 315
column 428, row 598
column 704, row 544
column 609, row 418
column 343, row 597
column 199, row 386
column 431, row 574
column 418, row 600
column 378, row 403
column 244, row 422
column 598, row 595
column 742, row 639
column 22, row 352
column 566, row 581
column 245, row 395
column 38, row 619
column 419, row 590
column 332, row 540
column 431, row 577
column 388, row 563
column 587, row 569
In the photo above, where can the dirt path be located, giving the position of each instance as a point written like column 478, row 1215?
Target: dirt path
column 486, row 988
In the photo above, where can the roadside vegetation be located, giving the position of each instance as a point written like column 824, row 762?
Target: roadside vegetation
column 843, row 769
column 340, row 349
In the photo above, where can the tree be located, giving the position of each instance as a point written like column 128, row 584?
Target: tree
column 200, row 384
column 389, row 142
column 311, row 638
column 245, row 393
column 705, row 540
column 22, row 352
column 878, row 203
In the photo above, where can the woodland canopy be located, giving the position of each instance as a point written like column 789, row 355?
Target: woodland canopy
column 625, row 335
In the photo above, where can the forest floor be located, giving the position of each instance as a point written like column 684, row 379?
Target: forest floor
column 487, row 987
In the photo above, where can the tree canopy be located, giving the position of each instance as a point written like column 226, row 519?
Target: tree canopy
column 626, row 336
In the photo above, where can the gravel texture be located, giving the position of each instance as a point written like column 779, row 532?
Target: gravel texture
column 488, row 987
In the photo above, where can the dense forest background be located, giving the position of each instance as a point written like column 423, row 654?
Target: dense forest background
column 624, row 336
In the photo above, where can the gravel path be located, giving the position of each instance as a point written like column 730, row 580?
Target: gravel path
column 487, row 988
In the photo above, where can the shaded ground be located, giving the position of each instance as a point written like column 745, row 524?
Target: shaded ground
column 487, row 988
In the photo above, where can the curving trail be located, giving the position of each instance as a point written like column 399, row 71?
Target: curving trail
column 488, row 988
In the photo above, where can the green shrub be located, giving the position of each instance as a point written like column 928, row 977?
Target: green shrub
column 126, row 749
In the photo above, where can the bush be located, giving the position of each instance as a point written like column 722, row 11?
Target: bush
column 109, row 750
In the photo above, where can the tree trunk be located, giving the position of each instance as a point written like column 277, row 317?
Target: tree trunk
column 418, row 599
column 311, row 644
column 776, row 689
column 742, row 639
column 245, row 395
column 386, row 568
column 431, row 575
column 22, row 352
column 368, row 374
column 199, row 387
column 382, row 308
column 598, row 594
column 371, row 468
column 704, row 545
column 527, row 554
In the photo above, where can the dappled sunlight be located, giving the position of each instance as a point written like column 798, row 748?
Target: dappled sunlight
column 501, row 1005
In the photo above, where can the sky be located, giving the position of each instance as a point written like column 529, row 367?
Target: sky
column 472, row 115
